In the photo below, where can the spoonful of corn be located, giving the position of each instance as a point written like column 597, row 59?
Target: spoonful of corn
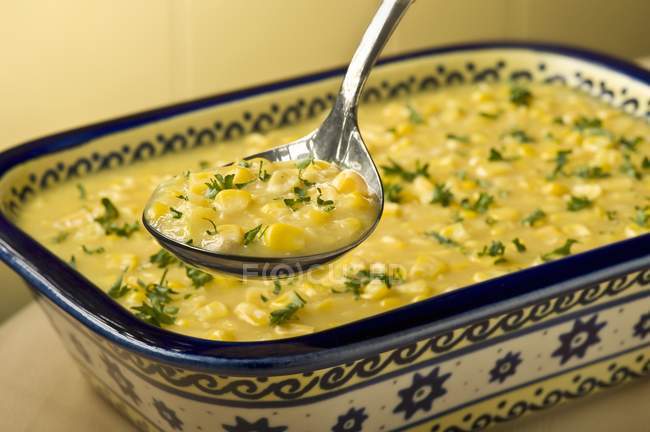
column 288, row 209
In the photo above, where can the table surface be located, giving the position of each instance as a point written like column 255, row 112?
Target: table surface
column 54, row 397
column 42, row 390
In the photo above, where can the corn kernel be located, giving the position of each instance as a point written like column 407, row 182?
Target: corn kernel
column 157, row 210
column 354, row 200
column 554, row 188
column 225, row 335
column 428, row 267
column 211, row 311
column 243, row 175
column 390, row 302
column 251, row 314
column 233, row 200
column 293, row 329
column 416, row 287
column 282, row 237
column 591, row 191
column 348, row 181
column 392, row 209
column 349, row 225
column 375, row 290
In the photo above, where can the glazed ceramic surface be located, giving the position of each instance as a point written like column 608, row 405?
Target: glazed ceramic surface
column 465, row 360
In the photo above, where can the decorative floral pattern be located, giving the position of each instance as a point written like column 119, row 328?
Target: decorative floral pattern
column 168, row 414
column 505, row 367
column 261, row 425
column 123, row 383
column 352, row 421
column 422, row 392
column 575, row 342
column 642, row 327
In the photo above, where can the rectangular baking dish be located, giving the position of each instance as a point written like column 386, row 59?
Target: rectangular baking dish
column 465, row 360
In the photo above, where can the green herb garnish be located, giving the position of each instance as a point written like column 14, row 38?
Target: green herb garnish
column 325, row 205
column 175, row 213
column 442, row 195
column 495, row 249
column 490, row 116
column 183, row 197
column 536, row 216
column 630, row 144
column 219, row 183
column 521, row 248
column 641, row 216
column 252, row 234
column 118, row 289
column 281, row 316
column 108, row 221
column 445, row 241
column 301, row 198
column 520, row 96
column 156, row 310
column 61, row 237
column 585, row 123
column 414, row 116
column 357, row 282
column 577, row 203
column 481, row 205
column 204, row 164
column 395, row 169
column 198, row 277
column 214, row 227
column 89, row 251
column 521, row 136
column 629, row 169
column 561, row 160
column 277, row 287
column 262, row 174
column 82, row 191
column 595, row 172
column 163, row 258
column 460, row 138
column 562, row 251
column 393, row 192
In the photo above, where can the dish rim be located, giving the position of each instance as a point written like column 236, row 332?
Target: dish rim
column 97, row 311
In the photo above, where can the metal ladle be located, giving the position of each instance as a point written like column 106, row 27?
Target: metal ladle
column 337, row 140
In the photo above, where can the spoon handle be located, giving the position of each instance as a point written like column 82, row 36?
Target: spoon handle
column 373, row 41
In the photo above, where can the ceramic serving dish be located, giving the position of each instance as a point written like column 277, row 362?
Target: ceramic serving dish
column 465, row 360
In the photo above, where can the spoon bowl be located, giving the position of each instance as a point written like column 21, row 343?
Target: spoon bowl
column 337, row 141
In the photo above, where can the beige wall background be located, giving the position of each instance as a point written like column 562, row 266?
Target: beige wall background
column 70, row 62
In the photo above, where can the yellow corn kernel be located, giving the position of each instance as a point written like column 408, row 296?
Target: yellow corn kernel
column 485, row 275
column 427, row 267
column 634, row 230
column 455, row 231
column 354, row 200
column 349, row 225
column 315, row 216
column 225, row 335
column 233, row 200
column 591, row 191
column 555, row 189
column 392, row 209
column 526, row 150
column 416, row 287
column 211, row 311
column 157, row 210
column 282, row 237
column 322, row 306
column 576, row 230
column 134, row 297
column 390, row 302
column 468, row 214
column 277, row 209
column 182, row 323
column 467, row 185
column 394, row 242
column 505, row 214
column 251, row 314
column 243, row 175
column 423, row 188
column 121, row 261
column 175, row 284
column 496, row 231
column 198, row 188
column 403, row 128
column 375, row 290
column 227, row 237
column 293, row 329
column 348, row 181
column 283, row 181
column 419, row 298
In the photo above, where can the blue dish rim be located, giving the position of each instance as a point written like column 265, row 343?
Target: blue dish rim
column 98, row 312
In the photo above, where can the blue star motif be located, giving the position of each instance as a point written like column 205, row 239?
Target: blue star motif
column 422, row 392
column 575, row 342
column 505, row 367
column 642, row 328
column 352, row 421
column 168, row 414
column 261, row 425
column 123, row 383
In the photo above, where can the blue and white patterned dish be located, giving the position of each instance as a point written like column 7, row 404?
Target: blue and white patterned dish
column 465, row 360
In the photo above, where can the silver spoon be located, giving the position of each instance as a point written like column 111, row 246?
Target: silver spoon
column 337, row 140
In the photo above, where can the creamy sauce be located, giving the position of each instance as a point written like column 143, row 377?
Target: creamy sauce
column 265, row 209
column 480, row 181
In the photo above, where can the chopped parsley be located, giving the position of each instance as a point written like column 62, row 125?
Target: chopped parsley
column 594, row 172
column 183, row 197
column 642, row 216
column 481, row 205
column 301, row 198
column 156, row 310
column 213, row 231
column 357, row 282
column 414, row 115
column 61, row 237
column 520, row 96
column 73, row 261
column 585, row 123
column 118, row 289
column 252, row 234
column 395, row 169
column 577, row 203
column 281, row 316
column 521, row 248
column 521, row 136
column 325, row 205
column 562, row 251
column 277, row 287
column 304, row 163
column 490, row 116
column 393, row 192
column 175, row 213
column 561, row 160
column 495, row 249
column 496, row 156
column 536, row 216
column 108, row 221
column 629, row 169
column 611, row 215
column 203, row 164
column 163, row 258
column 198, row 277
column 630, row 144
column 262, row 174
column 445, row 241
column 442, row 195
column 96, row 251
column 219, row 183
column 460, row 138
column 82, row 191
